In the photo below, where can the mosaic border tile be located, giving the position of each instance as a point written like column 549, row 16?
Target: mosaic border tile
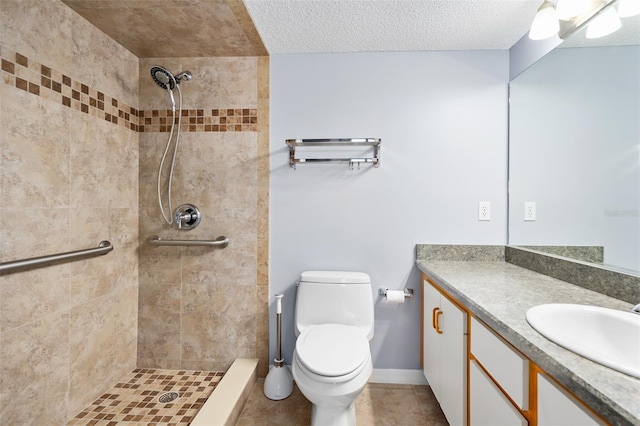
column 201, row 120
column 38, row 79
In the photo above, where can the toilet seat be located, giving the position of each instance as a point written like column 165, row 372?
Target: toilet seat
column 332, row 352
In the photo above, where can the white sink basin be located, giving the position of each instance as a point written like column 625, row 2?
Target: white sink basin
column 606, row 336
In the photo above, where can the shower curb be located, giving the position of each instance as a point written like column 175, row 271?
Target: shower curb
column 224, row 405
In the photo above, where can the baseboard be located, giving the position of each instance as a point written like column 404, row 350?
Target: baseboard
column 398, row 376
column 394, row 375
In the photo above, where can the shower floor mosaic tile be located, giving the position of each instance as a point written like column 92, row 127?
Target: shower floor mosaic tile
column 136, row 400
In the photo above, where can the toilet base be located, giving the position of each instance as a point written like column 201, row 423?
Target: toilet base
column 332, row 404
column 332, row 415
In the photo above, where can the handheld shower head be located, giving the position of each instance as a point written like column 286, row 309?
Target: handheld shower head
column 163, row 77
column 173, row 100
column 168, row 81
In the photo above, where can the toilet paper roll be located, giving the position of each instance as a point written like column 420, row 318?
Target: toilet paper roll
column 395, row 296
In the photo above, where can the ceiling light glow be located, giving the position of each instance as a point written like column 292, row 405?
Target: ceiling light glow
column 568, row 9
column 604, row 24
column 545, row 24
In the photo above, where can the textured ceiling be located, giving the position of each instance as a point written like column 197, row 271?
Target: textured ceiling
column 313, row 26
column 202, row 28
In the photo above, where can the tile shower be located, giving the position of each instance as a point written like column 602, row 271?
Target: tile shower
column 80, row 139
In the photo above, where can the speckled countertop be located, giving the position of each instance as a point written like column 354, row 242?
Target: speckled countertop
column 500, row 294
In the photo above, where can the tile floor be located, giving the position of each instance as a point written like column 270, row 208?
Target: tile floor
column 136, row 399
column 378, row 404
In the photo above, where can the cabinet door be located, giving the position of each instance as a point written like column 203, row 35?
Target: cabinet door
column 453, row 362
column 558, row 408
column 507, row 367
column 431, row 341
column 445, row 354
column 489, row 406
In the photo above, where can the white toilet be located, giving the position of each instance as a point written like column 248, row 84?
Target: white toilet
column 332, row 359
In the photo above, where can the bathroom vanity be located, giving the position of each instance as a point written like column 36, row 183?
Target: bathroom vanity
column 499, row 370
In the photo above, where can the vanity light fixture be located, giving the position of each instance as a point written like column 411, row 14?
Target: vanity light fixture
column 568, row 9
column 604, row 24
column 628, row 8
column 545, row 24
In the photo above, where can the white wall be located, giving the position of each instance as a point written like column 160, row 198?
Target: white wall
column 575, row 150
column 442, row 117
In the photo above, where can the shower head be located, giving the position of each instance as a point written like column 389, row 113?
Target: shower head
column 184, row 75
column 163, row 77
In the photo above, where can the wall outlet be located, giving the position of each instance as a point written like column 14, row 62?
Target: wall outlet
column 484, row 210
column 529, row 211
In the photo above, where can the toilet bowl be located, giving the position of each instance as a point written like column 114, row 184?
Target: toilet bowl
column 332, row 359
column 331, row 366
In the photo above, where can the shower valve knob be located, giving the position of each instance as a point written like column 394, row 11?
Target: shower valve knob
column 187, row 216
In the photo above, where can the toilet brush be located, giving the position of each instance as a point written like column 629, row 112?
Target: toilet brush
column 279, row 383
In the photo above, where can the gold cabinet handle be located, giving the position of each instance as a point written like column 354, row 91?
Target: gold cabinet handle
column 437, row 327
column 433, row 317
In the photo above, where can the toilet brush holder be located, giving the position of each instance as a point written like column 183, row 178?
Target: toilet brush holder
column 279, row 383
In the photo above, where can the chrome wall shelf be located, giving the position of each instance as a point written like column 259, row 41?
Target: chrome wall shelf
column 373, row 159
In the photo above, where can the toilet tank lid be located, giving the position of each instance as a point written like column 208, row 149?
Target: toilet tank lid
column 335, row 277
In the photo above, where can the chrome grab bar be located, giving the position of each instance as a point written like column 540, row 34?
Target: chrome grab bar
column 103, row 248
column 220, row 242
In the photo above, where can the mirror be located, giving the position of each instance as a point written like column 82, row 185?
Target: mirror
column 574, row 150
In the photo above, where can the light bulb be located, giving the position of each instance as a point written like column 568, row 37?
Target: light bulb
column 567, row 9
column 604, row 24
column 545, row 24
column 628, row 8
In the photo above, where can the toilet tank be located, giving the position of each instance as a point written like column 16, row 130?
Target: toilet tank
column 334, row 297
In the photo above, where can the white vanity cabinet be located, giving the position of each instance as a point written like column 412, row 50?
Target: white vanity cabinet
column 498, row 380
column 488, row 405
column 505, row 387
column 445, row 353
column 556, row 407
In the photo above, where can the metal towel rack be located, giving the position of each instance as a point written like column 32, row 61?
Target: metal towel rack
column 374, row 159
column 220, row 242
column 103, row 248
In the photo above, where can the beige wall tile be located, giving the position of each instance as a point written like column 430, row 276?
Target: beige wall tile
column 104, row 164
column 102, row 345
column 151, row 146
column 217, row 172
column 35, row 151
column 218, row 82
column 67, row 331
column 262, row 329
column 167, row 364
column 224, row 27
column 90, row 48
column 123, row 234
column 90, row 179
column 218, row 323
column 52, row 33
column 34, row 370
column 159, row 319
column 32, row 295
column 39, row 29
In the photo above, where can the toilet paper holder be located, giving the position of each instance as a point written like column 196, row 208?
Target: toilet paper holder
column 408, row 292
